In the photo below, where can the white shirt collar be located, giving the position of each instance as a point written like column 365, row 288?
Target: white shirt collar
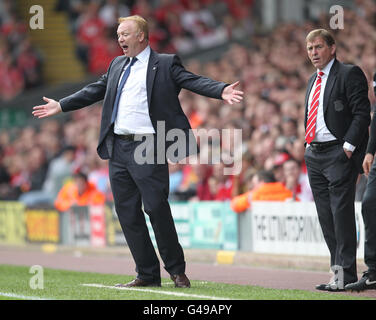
column 327, row 68
column 144, row 55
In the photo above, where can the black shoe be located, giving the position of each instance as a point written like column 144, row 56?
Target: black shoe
column 368, row 281
column 138, row 283
column 322, row 287
column 331, row 287
column 181, row 281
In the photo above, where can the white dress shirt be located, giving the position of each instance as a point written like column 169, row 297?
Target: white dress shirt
column 322, row 132
column 133, row 114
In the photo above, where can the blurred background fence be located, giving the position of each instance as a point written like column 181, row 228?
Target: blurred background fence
column 290, row 228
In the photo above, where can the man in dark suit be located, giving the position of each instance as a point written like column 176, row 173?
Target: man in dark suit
column 368, row 280
column 140, row 91
column 336, row 121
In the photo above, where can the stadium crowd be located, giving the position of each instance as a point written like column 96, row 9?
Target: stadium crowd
column 181, row 26
column 20, row 63
column 273, row 74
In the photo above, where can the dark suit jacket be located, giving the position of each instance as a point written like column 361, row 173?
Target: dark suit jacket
column 165, row 78
column 346, row 107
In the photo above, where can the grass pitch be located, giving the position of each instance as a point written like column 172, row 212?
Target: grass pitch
column 69, row 285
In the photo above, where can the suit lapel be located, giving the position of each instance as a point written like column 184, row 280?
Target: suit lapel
column 151, row 72
column 329, row 84
column 116, row 78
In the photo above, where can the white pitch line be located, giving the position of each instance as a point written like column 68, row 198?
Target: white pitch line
column 169, row 293
column 172, row 284
column 20, row 296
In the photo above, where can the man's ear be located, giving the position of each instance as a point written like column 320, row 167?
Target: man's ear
column 333, row 49
column 141, row 36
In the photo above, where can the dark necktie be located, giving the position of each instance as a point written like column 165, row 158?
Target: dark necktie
column 120, row 89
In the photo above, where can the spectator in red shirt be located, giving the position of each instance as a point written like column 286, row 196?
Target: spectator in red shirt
column 29, row 64
column 90, row 29
column 165, row 8
column 239, row 9
column 11, row 79
column 101, row 53
column 221, row 184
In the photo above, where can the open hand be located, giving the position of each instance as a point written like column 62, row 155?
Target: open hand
column 230, row 95
column 51, row 108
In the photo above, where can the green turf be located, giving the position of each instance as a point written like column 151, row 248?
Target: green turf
column 61, row 285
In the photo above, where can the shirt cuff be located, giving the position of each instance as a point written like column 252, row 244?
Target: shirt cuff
column 348, row 147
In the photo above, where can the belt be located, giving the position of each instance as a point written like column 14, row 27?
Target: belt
column 128, row 137
column 322, row 146
column 132, row 136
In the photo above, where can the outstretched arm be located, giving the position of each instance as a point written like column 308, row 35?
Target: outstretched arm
column 51, row 108
column 203, row 85
column 88, row 95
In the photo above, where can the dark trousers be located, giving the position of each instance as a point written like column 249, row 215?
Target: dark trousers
column 332, row 178
column 134, row 185
column 369, row 219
